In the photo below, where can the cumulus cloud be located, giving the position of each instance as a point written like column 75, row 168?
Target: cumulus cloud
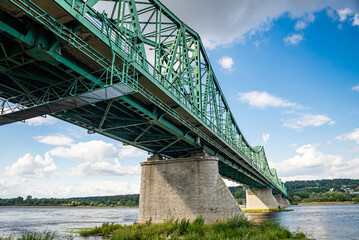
column 264, row 99
column 40, row 121
column 308, row 120
column 100, row 158
column 79, row 188
column 6, row 183
column 300, row 25
column 95, row 150
column 352, row 136
column 91, row 188
column 310, row 163
column 130, row 151
column 104, row 168
column 293, row 39
column 33, row 167
column 356, row 88
column 230, row 183
column 343, row 14
column 235, row 20
column 304, row 22
column 55, row 139
column 265, row 137
column 356, row 20
column 226, row 63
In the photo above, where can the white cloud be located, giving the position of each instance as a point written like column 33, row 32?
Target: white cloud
column 310, row 163
column 226, row 63
column 308, row 157
column 343, row 14
column 356, row 88
column 55, row 139
column 264, row 99
column 77, row 188
column 130, row 151
column 92, row 188
column 293, row 39
column 6, row 183
column 308, row 120
column 265, row 137
column 95, row 150
column 104, row 168
column 39, row 121
column 235, row 20
column 304, row 22
column 353, row 136
column 33, row 167
column 230, row 183
column 356, row 20
column 300, row 25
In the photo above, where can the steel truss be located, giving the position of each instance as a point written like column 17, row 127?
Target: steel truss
column 145, row 40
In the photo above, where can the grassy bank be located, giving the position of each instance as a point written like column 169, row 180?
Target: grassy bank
column 264, row 210
column 235, row 228
column 327, row 203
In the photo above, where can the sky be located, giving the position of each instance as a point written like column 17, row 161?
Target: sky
column 289, row 71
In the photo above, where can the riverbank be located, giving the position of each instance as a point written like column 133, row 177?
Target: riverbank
column 327, row 203
column 238, row 227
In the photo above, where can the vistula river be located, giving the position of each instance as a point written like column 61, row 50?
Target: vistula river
column 317, row 221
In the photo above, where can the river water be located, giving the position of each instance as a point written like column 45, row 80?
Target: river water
column 317, row 221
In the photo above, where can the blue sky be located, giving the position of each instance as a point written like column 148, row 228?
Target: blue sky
column 289, row 71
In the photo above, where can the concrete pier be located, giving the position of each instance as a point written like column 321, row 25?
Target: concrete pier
column 184, row 188
column 261, row 199
column 283, row 202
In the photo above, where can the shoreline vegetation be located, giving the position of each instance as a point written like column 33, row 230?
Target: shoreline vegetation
column 130, row 200
column 237, row 227
column 335, row 191
column 327, row 203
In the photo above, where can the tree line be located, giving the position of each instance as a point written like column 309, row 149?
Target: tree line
column 131, row 200
column 335, row 190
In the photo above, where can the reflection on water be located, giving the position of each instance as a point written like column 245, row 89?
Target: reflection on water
column 317, row 221
column 19, row 220
column 320, row 222
column 261, row 217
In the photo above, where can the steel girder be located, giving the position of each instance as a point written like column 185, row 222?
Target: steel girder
column 137, row 30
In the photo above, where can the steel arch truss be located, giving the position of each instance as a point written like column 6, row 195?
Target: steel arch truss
column 150, row 39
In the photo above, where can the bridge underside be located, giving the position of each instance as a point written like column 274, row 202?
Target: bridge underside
column 33, row 60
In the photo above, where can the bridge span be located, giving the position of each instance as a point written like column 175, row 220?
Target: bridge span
column 139, row 75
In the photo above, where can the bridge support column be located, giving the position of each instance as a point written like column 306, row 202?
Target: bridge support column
column 283, row 202
column 261, row 199
column 184, row 188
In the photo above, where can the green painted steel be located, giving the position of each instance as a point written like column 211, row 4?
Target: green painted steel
column 145, row 46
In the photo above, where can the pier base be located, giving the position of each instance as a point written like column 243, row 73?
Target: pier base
column 184, row 188
column 283, row 202
column 261, row 199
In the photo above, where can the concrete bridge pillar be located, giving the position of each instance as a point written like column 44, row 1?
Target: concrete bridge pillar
column 283, row 202
column 261, row 199
column 184, row 188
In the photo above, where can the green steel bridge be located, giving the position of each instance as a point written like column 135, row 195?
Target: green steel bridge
column 137, row 74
